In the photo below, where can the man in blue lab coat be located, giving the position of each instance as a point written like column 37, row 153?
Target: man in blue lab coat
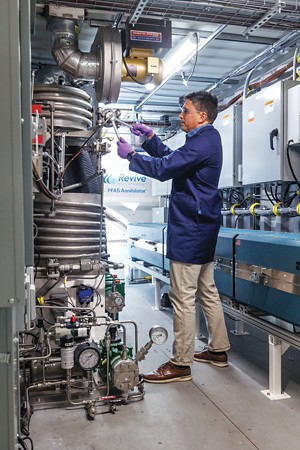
column 193, row 225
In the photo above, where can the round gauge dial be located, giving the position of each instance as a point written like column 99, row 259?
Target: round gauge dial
column 158, row 335
column 119, row 300
column 87, row 356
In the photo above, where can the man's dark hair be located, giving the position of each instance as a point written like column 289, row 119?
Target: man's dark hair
column 204, row 101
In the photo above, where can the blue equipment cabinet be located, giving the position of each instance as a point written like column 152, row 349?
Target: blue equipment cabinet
column 267, row 273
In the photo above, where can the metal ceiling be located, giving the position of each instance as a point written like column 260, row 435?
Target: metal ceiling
column 234, row 12
column 228, row 54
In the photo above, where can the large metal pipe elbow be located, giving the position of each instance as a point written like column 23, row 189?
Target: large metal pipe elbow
column 66, row 53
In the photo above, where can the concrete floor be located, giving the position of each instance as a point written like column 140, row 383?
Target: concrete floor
column 220, row 409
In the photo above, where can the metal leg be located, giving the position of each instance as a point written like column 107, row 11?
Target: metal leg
column 277, row 348
column 198, row 334
column 131, row 269
column 239, row 328
column 157, row 290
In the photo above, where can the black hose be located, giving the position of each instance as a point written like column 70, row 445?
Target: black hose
column 290, row 164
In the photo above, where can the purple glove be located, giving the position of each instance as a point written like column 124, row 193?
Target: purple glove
column 123, row 148
column 139, row 129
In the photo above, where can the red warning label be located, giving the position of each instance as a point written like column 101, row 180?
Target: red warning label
column 152, row 36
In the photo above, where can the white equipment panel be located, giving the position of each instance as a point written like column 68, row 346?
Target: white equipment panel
column 294, row 114
column 229, row 125
column 264, row 136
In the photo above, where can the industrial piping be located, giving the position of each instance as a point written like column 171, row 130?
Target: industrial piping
column 66, row 53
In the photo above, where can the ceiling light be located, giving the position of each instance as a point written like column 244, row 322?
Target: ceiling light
column 181, row 54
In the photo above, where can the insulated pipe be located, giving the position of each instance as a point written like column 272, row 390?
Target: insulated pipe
column 257, row 210
column 66, row 53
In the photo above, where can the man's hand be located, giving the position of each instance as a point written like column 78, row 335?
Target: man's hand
column 123, row 148
column 140, row 129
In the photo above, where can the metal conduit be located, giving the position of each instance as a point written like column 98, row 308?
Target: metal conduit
column 287, row 40
column 67, row 54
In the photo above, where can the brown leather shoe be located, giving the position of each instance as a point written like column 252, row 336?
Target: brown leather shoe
column 167, row 373
column 212, row 358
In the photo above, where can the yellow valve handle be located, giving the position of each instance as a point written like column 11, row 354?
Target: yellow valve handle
column 232, row 209
column 251, row 209
column 41, row 300
column 298, row 209
column 275, row 208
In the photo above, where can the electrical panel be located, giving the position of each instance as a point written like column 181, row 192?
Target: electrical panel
column 229, row 125
column 293, row 127
column 264, row 135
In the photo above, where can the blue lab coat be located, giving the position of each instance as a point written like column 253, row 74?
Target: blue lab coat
column 195, row 203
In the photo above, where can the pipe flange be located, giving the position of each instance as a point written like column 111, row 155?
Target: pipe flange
column 108, row 46
column 109, row 116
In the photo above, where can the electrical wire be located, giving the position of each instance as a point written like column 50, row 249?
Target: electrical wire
column 290, row 164
column 30, row 440
column 42, row 317
column 70, row 300
column 196, row 58
column 46, row 154
column 42, row 187
column 22, row 444
column 172, row 135
column 36, row 230
column 36, row 263
column 274, row 194
column 268, row 197
column 236, row 221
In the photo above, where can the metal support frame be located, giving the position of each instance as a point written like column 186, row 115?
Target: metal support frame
column 277, row 348
column 158, row 280
column 15, row 133
column 239, row 328
column 279, row 342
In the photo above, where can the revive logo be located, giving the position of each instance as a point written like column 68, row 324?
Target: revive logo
column 111, row 179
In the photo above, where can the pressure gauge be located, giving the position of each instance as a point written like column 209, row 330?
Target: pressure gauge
column 87, row 355
column 158, row 335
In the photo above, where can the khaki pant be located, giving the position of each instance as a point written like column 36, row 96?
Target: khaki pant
column 187, row 282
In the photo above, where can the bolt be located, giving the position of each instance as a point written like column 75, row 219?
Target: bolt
column 11, row 301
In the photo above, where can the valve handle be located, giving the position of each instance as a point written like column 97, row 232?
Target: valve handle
column 273, row 134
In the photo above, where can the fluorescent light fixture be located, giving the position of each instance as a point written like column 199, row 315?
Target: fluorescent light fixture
column 181, row 54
